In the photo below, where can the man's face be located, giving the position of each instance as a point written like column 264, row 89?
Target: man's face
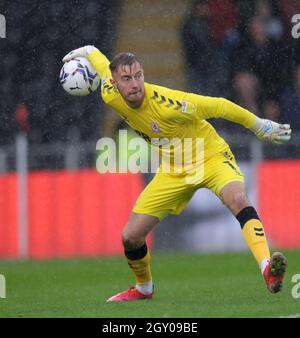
column 129, row 80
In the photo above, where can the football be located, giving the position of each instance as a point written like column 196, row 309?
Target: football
column 79, row 77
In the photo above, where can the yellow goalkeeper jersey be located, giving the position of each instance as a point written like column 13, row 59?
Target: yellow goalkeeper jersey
column 168, row 114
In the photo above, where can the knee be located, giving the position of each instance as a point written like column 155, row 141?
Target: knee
column 131, row 241
column 238, row 202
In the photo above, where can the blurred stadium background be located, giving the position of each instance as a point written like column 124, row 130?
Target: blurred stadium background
column 241, row 50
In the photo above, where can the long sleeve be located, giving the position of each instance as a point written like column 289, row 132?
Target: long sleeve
column 100, row 62
column 210, row 107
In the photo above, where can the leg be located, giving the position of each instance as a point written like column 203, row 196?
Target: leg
column 136, row 230
column 138, row 256
column 227, row 182
column 136, row 251
column 225, row 179
column 164, row 194
column 235, row 198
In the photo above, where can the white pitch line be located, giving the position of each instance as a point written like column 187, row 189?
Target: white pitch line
column 296, row 315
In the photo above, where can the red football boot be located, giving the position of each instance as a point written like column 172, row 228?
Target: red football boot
column 274, row 272
column 131, row 294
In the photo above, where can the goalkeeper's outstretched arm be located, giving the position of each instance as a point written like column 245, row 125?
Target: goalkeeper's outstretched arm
column 264, row 129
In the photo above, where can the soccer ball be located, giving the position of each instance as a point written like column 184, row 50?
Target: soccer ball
column 79, row 77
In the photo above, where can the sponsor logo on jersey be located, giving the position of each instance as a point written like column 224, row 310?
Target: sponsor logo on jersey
column 184, row 105
column 187, row 107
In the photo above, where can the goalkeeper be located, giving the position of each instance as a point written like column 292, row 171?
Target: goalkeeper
column 161, row 114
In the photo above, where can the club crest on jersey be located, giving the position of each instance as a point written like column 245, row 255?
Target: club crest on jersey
column 155, row 127
column 187, row 107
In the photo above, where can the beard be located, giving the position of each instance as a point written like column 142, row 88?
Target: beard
column 135, row 99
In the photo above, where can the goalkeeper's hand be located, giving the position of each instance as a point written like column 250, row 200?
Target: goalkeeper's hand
column 79, row 52
column 271, row 131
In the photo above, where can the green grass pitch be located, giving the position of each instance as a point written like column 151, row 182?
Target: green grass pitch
column 186, row 285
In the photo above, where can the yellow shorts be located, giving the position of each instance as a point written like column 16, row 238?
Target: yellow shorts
column 170, row 193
